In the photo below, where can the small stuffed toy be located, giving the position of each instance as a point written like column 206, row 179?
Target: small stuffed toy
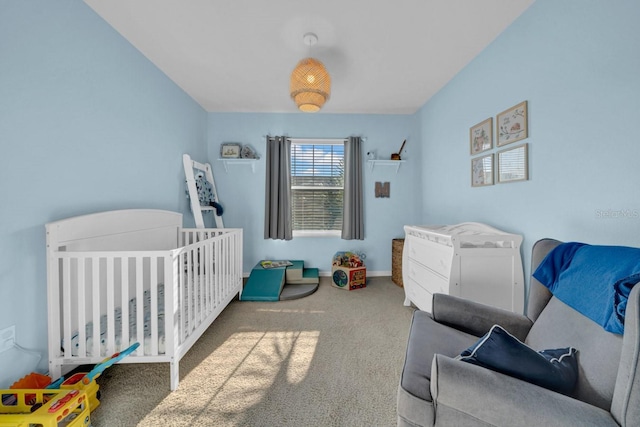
column 205, row 194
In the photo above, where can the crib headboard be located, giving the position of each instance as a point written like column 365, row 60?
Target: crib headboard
column 121, row 230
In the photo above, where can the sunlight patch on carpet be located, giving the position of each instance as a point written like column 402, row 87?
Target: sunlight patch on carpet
column 239, row 374
column 302, row 353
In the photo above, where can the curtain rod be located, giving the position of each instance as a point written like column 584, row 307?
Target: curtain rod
column 362, row 138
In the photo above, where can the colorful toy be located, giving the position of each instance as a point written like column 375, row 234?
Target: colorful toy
column 348, row 259
column 348, row 271
column 32, row 380
column 44, row 408
column 86, row 381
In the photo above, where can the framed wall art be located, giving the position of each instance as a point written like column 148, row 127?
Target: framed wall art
column 481, row 136
column 512, row 124
column 230, row 150
column 482, row 171
column 513, row 164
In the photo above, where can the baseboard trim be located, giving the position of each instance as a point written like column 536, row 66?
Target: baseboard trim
column 327, row 273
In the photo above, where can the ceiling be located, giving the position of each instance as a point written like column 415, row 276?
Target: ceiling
column 237, row 55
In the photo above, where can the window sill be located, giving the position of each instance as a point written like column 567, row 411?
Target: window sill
column 317, row 233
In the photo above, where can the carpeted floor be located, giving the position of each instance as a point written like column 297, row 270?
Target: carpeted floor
column 330, row 359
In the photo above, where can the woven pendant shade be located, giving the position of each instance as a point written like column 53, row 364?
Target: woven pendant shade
column 310, row 85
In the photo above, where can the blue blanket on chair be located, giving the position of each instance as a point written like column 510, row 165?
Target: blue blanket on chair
column 594, row 280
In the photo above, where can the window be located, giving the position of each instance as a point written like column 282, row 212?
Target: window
column 317, row 186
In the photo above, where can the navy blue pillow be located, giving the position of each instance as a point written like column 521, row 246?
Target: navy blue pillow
column 500, row 351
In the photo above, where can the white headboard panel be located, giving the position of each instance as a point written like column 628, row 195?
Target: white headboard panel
column 121, row 230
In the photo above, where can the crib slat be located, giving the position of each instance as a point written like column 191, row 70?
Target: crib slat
column 139, row 304
column 124, row 286
column 66, row 306
column 182, row 290
column 184, row 301
column 192, row 289
column 191, row 306
column 209, row 282
column 218, row 272
column 199, row 294
column 154, row 305
column 111, row 310
column 95, row 314
column 171, row 275
column 80, row 307
column 227, row 265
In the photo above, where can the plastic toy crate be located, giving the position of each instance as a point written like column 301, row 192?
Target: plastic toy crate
column 44, row 408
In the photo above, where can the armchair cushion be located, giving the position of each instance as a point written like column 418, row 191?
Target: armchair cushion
column 555, row 369
column 475, row 318
column 426, row 338
column 469, row 395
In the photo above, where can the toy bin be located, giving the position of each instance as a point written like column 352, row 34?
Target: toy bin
column 349, row 278
column 44, row 408
column 348, row 270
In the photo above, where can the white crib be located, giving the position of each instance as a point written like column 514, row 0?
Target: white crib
column 135, row 275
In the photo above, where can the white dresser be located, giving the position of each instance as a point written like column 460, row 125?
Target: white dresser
column 468, row 260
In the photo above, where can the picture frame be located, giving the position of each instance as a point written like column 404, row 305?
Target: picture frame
column 230, row 150
column 512, row 125
column 482, row 170
column 513, row 164
column 481, row 137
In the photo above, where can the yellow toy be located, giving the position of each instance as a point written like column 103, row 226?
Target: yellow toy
column 91, row 389
column 87, row 381
column 44, row 407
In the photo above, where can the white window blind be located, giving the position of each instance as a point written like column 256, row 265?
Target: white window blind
column 317, row 184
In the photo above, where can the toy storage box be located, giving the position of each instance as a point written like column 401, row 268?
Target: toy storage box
column 349, row 278
column 348, row 270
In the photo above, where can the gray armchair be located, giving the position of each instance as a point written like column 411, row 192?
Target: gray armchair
column 438, row 390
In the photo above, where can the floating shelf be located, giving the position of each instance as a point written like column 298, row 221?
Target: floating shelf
column 394, row 163
column 227, row 162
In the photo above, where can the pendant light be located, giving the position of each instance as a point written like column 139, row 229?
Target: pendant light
column 310, row 82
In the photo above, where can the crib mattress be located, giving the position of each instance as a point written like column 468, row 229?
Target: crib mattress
column 133, row 328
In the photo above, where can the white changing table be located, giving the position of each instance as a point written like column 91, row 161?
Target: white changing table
column 469, row 260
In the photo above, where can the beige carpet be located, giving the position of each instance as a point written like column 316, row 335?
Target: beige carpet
column 330, row 359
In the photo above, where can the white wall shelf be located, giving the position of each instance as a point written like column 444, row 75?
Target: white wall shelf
column 227, row 162
column 394, row 163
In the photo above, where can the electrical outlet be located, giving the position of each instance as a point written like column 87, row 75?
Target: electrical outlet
column 7, row 338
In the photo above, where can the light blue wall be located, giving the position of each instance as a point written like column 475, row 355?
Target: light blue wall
column 243, row 194
column 86, row 124
column 578, row 66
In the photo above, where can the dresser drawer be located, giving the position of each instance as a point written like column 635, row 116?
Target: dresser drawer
column 427, row 279
column 419, row 296
column 432, row 255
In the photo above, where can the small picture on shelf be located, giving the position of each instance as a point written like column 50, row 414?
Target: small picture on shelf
column 230, row 150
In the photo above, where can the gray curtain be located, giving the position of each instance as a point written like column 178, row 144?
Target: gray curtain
column 277, row 214
column 353, row 216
